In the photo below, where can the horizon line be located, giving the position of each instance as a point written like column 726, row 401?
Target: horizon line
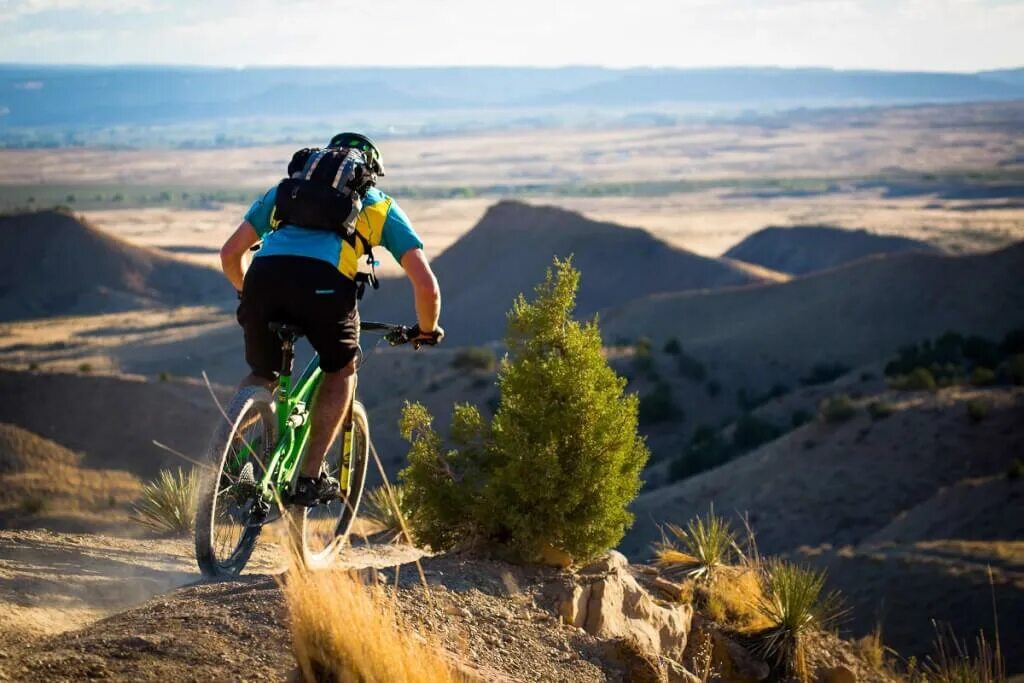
column 538, row 67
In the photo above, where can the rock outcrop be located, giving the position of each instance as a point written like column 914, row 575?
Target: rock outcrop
column 607, row 602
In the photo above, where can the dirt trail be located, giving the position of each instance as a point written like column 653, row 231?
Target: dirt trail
column 53, row 582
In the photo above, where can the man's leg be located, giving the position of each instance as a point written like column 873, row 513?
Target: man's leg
column 333, row 399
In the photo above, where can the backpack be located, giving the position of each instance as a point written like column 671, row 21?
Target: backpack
column 324, row 190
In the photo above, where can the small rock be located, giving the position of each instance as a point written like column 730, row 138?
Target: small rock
column 555, row 557
column 611, row 561
column 838, row 674
column 457, row 611
column 670, row 588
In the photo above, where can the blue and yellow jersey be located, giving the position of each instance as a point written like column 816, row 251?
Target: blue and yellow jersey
column 381, row 222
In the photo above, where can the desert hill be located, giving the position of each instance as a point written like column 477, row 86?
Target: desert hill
column 922, row 498
column 844, row 483
column 112, row 421
column 21, row 450
column 43, row 484
column 802, row 249
column 854, row 314
column 53, row 264
column 507, row 253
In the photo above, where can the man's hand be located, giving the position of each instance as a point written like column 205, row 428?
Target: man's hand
column 418, row 337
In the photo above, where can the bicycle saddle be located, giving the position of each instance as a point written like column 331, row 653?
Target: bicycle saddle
column 285, row 331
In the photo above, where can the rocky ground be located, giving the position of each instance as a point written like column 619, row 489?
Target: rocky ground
column 92, row 607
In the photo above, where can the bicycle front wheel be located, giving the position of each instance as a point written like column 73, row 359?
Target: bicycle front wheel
column 323, row 529
column 230, row 508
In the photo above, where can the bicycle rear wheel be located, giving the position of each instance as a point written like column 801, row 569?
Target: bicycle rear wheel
column 324, row 528
column 230, row 508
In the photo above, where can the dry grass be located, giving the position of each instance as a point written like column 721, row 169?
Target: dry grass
column 871, row 649
column 953, row 661
column 732, row 600
column 343, row 630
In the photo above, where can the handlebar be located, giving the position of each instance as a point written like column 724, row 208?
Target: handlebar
column 395, row 335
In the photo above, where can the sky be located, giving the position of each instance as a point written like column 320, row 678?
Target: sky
column 920, row 35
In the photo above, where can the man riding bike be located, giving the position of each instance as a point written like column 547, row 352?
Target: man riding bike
column 309, row 276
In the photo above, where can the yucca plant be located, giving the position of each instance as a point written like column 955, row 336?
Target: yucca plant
column 382, row 511
column 953, row 662
column 795, row 604
column 704, row 546
column 168, row 502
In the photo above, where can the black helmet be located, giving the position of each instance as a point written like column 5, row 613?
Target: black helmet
column 363, row 144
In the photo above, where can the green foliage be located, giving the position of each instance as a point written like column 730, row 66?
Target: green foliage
column 919, row 379
column 84, row 367
column 706, row 450
column 164, row 376
column 704, row 546
column 559, row 462
column 169, row 502
column 643, row 359
column 1015, row 470
column 795, row 603
column 983, row 377
column 659, row 406
column 752, row 432
column 952, row 358
column 977, row 410
column 879, row 410
column 837, row 408
column 690, row 368
column 673, row 347
column 822, row 373
column 475, row 358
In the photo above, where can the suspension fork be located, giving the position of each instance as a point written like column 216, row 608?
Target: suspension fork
column 345, row 473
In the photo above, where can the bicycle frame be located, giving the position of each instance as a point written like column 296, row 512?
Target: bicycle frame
column 293, row 405
column 293, row 423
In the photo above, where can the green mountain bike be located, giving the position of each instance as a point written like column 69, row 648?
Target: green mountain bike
column 254, row 456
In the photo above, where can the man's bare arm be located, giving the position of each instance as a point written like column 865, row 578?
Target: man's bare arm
column 233, row 251
column 425, row 289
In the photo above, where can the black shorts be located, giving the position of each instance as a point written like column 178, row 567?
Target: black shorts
column 300, row 291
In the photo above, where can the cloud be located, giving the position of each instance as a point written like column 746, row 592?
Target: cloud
column 897, row 34
column 16, row 9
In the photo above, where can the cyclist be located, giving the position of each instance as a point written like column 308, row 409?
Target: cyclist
column 309, row 277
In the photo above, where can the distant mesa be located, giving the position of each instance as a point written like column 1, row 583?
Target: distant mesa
column 53, row 264
column 507, row 253
column 802, row 249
